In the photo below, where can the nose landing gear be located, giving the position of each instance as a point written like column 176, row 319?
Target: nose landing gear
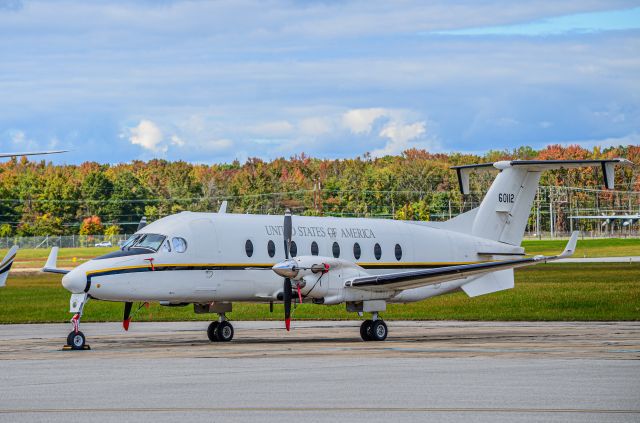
column 76, row 339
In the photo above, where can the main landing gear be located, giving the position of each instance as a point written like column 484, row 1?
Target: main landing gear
column 76, row 339
column 220, row 331
column 374, row 329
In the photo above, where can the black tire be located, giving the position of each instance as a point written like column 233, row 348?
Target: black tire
column 76, row 340
column 211, row 332
column 365, row 330
column 224, row 331
column 379, row 330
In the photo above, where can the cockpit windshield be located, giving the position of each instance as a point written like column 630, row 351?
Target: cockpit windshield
column 130, row 241
column 149, row 241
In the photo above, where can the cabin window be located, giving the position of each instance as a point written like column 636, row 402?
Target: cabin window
column 179, row 244
column 377, row 251
column 314, row 248
column 248, row 248
column 336, row 250
column 293, row 249
column 398, row 252
column 271, row 248
column 357, row 251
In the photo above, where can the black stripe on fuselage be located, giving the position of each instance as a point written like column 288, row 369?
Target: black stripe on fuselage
column 165, row 268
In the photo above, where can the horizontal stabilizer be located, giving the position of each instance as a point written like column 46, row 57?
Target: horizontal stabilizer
column 6, row 264
column 607, row 166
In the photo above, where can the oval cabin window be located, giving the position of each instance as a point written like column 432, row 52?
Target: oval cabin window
column 179, row 244
column 248, row 248
column 398, row 252
column 377, row 251
column 271, row 248
column 357, row 251
column 336, row 250
column 314, row 248
column 293, row 249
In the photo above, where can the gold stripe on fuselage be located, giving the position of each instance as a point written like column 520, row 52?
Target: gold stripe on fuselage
column 267, row 265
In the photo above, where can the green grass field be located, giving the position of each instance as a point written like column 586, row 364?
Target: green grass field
column 584, row 291
column 608, row 247
column 605, row 247
column 67, row 257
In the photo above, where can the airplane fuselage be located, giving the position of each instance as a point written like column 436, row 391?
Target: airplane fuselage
column 228, row 257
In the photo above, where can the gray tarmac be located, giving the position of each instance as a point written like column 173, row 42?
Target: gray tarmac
column 322, row 371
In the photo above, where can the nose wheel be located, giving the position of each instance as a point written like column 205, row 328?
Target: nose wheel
column 76, row 340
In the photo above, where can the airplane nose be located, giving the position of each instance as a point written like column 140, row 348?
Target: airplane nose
column 75, row 282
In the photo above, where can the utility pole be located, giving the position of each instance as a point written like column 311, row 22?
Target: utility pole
column 550, row 212
column 538, row 215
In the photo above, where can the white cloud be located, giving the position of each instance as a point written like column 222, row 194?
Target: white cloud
column 315, row 126
column 18, row 137
column 278, row 128
column 399, row 136
column 217, row 145
column 148, row 136
column 360, row 121
column 176, row 140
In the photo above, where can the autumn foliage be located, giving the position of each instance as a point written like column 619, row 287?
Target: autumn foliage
column 38, row 198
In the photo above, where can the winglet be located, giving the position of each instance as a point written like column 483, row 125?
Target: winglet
column 6, row 264
column 571, row 245
column 223, row 207
column 52, row 263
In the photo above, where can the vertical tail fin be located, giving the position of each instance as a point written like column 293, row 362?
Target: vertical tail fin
column 6, row 264
column 504, row 211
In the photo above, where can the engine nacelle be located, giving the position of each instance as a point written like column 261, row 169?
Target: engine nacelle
column 322, row 277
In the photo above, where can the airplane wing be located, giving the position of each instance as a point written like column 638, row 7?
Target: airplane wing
column 417, row 278
column 34, row 153
column 604, row 217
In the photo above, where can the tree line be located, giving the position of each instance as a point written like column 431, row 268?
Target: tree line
column 40, row 198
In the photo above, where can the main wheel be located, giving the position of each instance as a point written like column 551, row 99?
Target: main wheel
column 211, row 332
column 76, row 340
column 224, row 331
column 365, row 330
column 379, row 330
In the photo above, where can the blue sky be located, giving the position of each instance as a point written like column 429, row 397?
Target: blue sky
column 209, row 82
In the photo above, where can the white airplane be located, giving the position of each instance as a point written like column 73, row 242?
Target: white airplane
column 7, row 262
column 627, row 219
column 214, row 259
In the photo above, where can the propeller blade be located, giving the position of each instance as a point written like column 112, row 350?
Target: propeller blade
column 299, row 292
column 287, row 303
column 288, row 231
column 127, row 315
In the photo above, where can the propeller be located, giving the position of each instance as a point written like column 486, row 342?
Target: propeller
column 127, row 315
column 289, row 269
column 286, row 289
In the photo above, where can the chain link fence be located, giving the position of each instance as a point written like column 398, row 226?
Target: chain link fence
column 68, row 241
